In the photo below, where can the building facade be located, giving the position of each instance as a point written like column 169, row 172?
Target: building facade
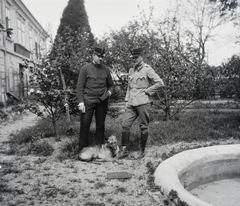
column 20, row 51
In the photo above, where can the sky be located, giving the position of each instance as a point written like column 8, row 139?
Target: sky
column 113, row 14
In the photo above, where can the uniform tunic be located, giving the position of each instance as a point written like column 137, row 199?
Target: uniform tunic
column 93, row 83
column 142, row 83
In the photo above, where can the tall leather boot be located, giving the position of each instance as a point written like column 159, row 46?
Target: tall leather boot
column 141, row 153
column 125, row 144
column 144, row 138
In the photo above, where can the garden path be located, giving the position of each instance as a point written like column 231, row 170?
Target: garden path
column 13, row 124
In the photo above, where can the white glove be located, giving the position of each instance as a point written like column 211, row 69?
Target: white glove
column 81, row 107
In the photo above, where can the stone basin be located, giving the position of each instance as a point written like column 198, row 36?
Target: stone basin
column 192, row 168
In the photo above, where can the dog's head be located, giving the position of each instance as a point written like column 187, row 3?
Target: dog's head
column 112, row 142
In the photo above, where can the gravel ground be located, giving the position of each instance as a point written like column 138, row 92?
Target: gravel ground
column 31, row 180
column 45, row 181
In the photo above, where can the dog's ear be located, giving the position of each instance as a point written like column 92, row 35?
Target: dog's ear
column 107, row 139
column 112, row 138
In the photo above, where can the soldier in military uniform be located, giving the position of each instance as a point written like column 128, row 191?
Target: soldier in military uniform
column 143, row 82
column 94, row 86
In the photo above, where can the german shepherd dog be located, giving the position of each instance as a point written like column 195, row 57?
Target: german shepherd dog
column 105, row 152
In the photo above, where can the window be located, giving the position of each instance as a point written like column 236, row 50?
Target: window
column 42, row 46
column 36, row 49
column 36, row 45
column 8, row 18
column 39, row 50
column 31, row 39
column 21, row 31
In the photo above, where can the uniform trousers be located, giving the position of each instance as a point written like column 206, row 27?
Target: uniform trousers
column 100, row 111
column 132, row 113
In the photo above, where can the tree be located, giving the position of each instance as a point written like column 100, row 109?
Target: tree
column 176, row 51
column 230, row 78
column 49, row 103
column 226, row 6
column 74, row 40
column 165, row 52
column 57, row 75
column 118, row 45
column 71, row 49
column 200, row 19
column 209, row 76
column 172, row 59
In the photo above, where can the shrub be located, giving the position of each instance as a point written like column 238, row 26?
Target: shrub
column 69, row 150
column 113, row 112
column 19, row 108
column 194, row 126
column 3, row 115
column 26, row 141
column 150, row 178
column 43, row 149
column 63, row 127
column 24, row 136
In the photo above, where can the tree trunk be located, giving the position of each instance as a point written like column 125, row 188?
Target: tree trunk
column 65, row 98
column 54, row 122
column 167, row 113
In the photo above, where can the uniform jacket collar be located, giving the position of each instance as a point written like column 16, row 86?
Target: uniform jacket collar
column 96, row 65
column 139, row 66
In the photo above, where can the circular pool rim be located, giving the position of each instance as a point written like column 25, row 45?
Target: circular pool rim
column 221, row 160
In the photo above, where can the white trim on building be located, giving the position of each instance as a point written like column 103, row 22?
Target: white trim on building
column 27, row 43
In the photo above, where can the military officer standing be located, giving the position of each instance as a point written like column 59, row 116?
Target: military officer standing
column 143, row 82
column 94, row 86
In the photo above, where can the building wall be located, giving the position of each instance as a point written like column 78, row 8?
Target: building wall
column 26, row 46
column 2, row 78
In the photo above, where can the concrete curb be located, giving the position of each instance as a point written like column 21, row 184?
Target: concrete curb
column 192, row 168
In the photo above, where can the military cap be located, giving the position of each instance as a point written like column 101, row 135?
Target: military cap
column 99, row 51
column 136, row 52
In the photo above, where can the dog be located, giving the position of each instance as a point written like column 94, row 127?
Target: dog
column 105, row 152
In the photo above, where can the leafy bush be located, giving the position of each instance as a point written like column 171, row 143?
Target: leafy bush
column 25, row 142
column 24, row 136
column 19, row 108
column 15, row 109
column 150, row 178
column 191, row 126
column 3, row 115
column 63, row 127
column 43, row 149
column 69, row 150
column 195, row 126
column 113, row 112
column 28, row 140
